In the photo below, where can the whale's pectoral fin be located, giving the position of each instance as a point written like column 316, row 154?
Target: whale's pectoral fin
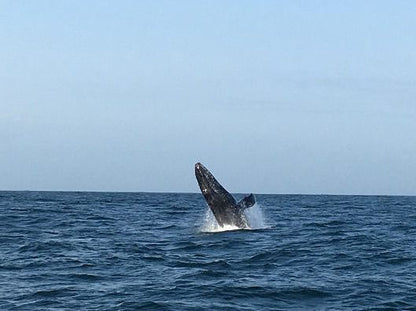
column 247, row 202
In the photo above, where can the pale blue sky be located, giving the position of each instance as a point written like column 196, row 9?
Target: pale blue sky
column 272, row 96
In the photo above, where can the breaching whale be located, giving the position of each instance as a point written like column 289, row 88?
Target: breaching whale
column 222, row 204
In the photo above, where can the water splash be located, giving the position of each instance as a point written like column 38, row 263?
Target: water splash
column 254, row 214
column 256, row 218
column 210, row 224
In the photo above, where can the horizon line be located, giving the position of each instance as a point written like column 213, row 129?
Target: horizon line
column 189, row 192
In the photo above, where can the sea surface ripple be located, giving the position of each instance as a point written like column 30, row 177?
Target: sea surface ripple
column 146, row 251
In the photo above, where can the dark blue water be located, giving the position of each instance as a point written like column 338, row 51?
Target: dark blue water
column 142, row 251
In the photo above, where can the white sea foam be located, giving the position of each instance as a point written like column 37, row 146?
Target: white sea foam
column 255, row 219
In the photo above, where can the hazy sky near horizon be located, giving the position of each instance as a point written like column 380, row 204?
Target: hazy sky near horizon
column 272, row 96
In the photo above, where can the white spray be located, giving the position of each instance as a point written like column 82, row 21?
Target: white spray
column 255, row 219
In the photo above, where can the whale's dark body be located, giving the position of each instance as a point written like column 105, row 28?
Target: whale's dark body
column 223, row 205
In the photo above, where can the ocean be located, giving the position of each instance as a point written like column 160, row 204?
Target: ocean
column 164, row 251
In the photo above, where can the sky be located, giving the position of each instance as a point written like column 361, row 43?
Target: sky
column 312, row 97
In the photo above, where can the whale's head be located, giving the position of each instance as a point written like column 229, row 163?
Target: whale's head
column 206, row 180
column 211, row 189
